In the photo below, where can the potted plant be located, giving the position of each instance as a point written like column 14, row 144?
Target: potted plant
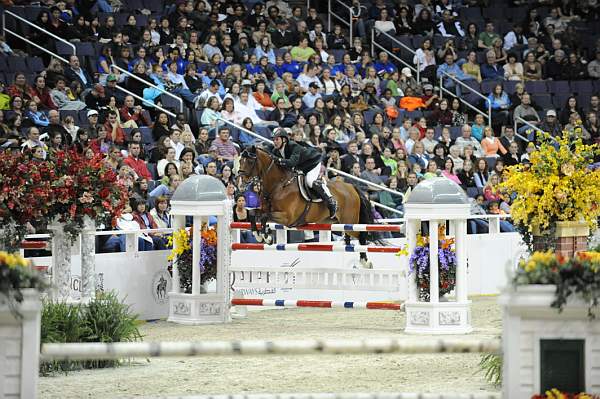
column 20, row 306
column 557, row 281
column 555, row 197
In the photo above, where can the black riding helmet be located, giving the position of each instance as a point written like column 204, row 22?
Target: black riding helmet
column 281, row 132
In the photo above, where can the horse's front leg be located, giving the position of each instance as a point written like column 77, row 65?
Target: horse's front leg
column 265, row 231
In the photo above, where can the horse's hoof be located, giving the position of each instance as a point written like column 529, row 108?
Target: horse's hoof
column 366, row 264
column 268, row 239
column 258, row 237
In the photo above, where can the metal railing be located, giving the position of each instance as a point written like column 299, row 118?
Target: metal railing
column 485, row 99
column 528, row 124
column 146, row 101
column 330, row 13
column 163, row 91
column 374, row 44
column 387, row 208
column 60, row 39
column 243, row 129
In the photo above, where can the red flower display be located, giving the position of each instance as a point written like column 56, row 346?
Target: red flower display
column 65, row 188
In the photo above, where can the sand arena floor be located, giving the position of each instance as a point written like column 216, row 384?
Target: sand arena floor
column 281, row 374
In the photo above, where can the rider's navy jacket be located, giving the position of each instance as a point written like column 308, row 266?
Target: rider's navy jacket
column 298, row 156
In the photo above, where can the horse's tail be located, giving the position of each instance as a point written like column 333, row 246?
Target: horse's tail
column 365, row 215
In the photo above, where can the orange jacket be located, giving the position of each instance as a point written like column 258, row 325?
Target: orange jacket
column 411, row 103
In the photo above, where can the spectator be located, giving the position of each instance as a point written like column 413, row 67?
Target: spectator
column 512, row 157
column 223, row 146
column 449, row 70
column 550, row 124
column 490, row 144
column 301, row 52
column 137, row 164
column 41, row 94
column 61, row 99
column 575, row 69
column 75, row 73
column 556, row 66
column 487, row 37
column 371, row 174
column 571, row 106
column 500, row 103
column 116, row 134
column 491, row 70
column 466, row 139
column 471, row 67
column 593, row 67
column 513, row 70
column 424, row 60
column 515, row 38
column 526, row 112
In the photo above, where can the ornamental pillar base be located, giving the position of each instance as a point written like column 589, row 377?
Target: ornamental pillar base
column 190, row 309
column 438, row 318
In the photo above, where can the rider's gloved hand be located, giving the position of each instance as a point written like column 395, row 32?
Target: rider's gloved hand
column 282, row 162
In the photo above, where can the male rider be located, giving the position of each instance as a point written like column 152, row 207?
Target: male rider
column 306, row 159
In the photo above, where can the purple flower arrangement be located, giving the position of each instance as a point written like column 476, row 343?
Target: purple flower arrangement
column 419, row 264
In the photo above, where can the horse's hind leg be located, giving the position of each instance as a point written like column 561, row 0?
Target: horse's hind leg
column 364, row 261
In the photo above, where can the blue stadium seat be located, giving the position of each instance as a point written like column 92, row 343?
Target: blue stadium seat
column 455, row 131
column 34, row 64
column 543, row 101
column 582, row 86
column 536, row 86
column 16, row 64
column 558, row 86
column 63, row 48
column 85, row 49
column 146, row 135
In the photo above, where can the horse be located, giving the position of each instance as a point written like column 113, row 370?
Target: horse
column 282, row 202
column 161, row 288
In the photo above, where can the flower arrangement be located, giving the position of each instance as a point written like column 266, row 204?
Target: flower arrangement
column 419, row 264
column 579, row 275
column 16, row 274
column 66, row 188
column 85, row 188
column 556, row 394
column 182, row 241
column 559, row 185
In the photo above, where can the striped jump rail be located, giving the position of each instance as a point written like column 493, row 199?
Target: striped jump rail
column 316, row 304
column 313, row 248
column 322, row 227
column 34, row 245
column 121, row 350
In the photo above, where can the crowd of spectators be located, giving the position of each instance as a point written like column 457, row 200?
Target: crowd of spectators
column 266, row 66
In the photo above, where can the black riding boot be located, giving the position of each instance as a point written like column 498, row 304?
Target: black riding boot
column 319, row 188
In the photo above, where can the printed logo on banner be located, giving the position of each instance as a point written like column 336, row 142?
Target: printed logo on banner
column 160, row 287
column 77, row 288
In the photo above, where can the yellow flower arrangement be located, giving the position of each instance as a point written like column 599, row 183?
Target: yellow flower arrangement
column 557, row 186
column 539, row 260
column 180, row 242
column 12, row 260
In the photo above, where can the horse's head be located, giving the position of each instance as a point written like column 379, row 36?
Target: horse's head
column 248, row 167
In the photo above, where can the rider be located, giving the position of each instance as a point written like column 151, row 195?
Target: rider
column 290, row 154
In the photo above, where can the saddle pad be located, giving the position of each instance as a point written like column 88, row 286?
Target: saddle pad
column 305, row 191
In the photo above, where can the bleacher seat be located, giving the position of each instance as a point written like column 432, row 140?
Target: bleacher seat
column 16, row 64
column 63, row 48
column 146, row 135
column 558, row 86
column 455, row 131
column 536, row 86
column 582, row 86
column 543, row 101
column 85, row 49
column 170, row 103
column 34, row 64
column 3, row 66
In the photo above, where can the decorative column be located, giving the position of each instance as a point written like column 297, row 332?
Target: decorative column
column 178, row 224
column 61, row 263
column 460, row 246
column 88, row 260
column 196, row 244
column 434, row 272
column 412, row 228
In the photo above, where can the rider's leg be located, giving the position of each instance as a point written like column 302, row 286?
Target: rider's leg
column 313, row 181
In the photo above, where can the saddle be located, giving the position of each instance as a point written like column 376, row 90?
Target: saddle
column 307, row 193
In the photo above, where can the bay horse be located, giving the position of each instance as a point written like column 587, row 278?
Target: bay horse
column 282, row 202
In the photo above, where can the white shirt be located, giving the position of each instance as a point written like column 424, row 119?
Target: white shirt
column 304, row 80
column 421, row 57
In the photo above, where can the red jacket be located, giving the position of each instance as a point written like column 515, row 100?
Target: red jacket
column 138, row 218
column 120, row 136
column 139, row 166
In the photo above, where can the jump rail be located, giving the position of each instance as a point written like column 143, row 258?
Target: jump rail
column 300, row 303
column 351, row 395
column 314, row 248
column 120, row 350
column 322, row 227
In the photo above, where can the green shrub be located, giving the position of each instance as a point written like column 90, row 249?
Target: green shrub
column 104, row 319
column 491, row 366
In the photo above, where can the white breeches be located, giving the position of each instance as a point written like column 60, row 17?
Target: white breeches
column 313, row 175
